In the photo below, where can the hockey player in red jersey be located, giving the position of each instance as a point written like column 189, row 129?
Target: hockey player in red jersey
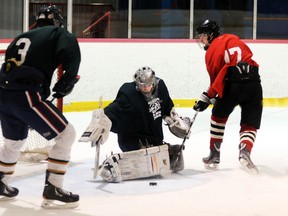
column 25, row 80
column 234, row 80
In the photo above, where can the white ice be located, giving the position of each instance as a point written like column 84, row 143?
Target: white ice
column 230, row 191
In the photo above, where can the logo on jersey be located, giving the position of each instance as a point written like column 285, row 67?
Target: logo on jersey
column 155, row 108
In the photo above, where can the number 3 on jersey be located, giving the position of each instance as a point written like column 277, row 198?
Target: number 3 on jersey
column 23, row 51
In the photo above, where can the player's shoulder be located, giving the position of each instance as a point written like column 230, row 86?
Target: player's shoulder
column 228, row 37
column 159, row 80
column 221, row 42
column 44, row 29
column 225, row 37
column 53, row 30
column 127, row 90
column 63, row 31
column 37, row 34
column 128, row 86
column 161, row 83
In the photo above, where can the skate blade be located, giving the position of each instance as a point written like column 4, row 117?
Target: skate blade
column 55, row 204
column 211, row 166
column 245, row 164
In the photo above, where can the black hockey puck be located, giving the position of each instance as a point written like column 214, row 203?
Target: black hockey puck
column 152, row 183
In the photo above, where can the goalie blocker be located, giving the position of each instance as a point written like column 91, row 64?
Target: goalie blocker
column 143, row 163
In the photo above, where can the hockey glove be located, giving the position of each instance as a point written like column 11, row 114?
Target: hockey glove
column 98, row 129
column 178, row 125
column 63, row 88
column 203, row 102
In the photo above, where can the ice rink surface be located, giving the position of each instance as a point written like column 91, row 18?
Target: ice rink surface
column 230, row 191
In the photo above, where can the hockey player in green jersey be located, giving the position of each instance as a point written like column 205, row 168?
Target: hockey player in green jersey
column 25, row 80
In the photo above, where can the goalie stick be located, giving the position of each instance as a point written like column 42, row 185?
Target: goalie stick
column 97, row 150
column 188, row 133
column 182, row 147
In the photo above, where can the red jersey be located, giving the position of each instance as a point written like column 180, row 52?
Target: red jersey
column 226, row 50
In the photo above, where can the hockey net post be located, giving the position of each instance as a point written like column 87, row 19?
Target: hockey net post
column 36, row 147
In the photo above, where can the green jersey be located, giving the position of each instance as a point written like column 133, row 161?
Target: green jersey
column 44, row 49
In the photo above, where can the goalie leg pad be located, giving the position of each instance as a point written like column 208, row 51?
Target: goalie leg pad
column 176, row 158
column 137, row 164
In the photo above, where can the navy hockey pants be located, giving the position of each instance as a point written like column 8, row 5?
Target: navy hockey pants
column 20, row 110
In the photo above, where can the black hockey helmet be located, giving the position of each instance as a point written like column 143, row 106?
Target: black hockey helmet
column 49, row 15
column 208, row 27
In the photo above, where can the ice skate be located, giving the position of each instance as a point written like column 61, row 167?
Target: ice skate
column 245, row 160
column 7, row 192
column 58, row 198
column 212, row 161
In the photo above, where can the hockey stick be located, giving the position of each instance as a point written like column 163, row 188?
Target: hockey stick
column 52, row 99
column 97, row 156
column 97, row 152
column 188, row 133
column 182, row 147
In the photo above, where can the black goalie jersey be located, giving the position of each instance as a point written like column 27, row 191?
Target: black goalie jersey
column 137, row 121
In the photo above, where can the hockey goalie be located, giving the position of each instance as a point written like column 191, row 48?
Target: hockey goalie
column 136, row 116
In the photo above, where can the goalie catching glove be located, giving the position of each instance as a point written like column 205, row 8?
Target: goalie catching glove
column 178, row 125
column 98, row 129
column 63, row 88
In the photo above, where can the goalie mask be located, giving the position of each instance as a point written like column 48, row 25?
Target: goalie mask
column 146, row 82
column 50, row 15
column 144, row 77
